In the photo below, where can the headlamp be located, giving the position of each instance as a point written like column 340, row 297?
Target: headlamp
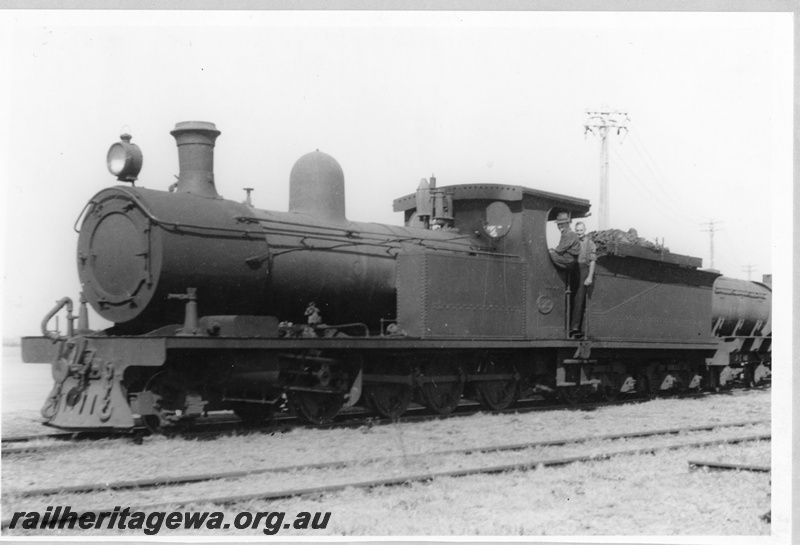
column 124, row 159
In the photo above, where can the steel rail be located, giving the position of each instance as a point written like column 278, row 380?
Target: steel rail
column 34, row 437
column 724, row 465
column 424, row 477
column 355, row 417
column 350, row 418
column 186, row 479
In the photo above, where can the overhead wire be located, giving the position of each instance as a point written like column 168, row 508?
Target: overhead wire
column 685, row 221
column 664, row 207
column 640, row 148
column 732, row 250
column 671, row 215
column 674, row 208
column 637, row 141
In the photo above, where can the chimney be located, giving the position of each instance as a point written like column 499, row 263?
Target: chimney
column 195, row 141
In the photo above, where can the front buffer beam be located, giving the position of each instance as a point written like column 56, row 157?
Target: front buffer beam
column 88, row 391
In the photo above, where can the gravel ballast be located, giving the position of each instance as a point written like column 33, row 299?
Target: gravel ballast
column 647, row 494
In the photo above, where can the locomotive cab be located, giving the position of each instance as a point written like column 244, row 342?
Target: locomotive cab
column 522, row 295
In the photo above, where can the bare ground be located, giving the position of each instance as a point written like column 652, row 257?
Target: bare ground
column 627, row 495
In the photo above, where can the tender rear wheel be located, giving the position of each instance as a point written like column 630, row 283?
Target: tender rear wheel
column 756, row 375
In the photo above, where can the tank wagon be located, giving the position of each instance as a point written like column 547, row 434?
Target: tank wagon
column 218, row 305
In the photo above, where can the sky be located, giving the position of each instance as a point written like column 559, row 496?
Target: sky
column 488, row 97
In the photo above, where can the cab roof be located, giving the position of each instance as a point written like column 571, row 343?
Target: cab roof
column 578, row 208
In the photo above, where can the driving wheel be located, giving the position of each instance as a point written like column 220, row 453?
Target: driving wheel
column 442, row 384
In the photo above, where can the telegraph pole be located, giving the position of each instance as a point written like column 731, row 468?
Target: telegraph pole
column 602, row 121
column 749, row 268
column 710, row 230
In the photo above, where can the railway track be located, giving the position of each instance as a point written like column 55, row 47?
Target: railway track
column 225, row 426
column 37, row 437
column 413, row 474
column 178, row 480
column 357, row 417
column 695, row 464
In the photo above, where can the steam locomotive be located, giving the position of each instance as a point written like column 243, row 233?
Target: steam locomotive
column 218, row 305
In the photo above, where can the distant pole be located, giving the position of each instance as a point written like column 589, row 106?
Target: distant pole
column 749, row 268
column 601, row 121
column 605, row 203
column 711, row 229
